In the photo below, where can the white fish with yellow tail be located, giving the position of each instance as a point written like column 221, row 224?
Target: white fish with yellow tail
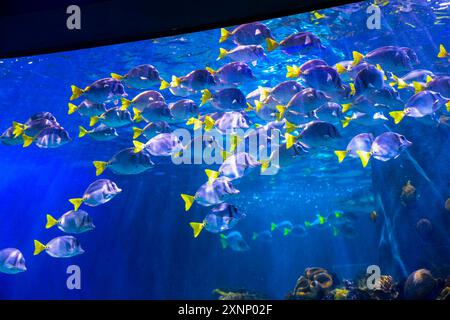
column 98, row 192
column 60, row 247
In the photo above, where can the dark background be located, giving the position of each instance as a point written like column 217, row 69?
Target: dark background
column 30, row 28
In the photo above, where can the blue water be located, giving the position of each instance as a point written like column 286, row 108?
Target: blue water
column 143, row 248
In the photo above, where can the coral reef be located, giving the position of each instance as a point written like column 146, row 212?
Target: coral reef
column 315, row 283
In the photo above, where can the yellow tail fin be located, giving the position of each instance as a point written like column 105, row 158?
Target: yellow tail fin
column 196, row 122
column 209, row 123
column 206, row 96
column 188, row 201
column 212, row 175
column 258, row 105
column 50, row 222
column 364, row 156
column 72, row 108
column 271, row 44
column 235, row 142
column 76, row 203
column 249, row 107
column 175, row 82
column 281, row 111
column 38, row 247
column 397, row 116
column 137, row 115
column 265, row 164
column 286, row 231
column 138, row 146
column 100, row 166
column 164, row 85
column 357, row 57
column 340, row 68
column 93, row 121
column 346, row 107
column 116, row 76
column 442, row 52
column 210, row 70
column 225, row 154
column 352, row 89
column 76, row 92
column 83, row 132
column 18, row 129
column 197, row 227
column 27, row 141
column 341, row 154
column 137, row 132
column 418, row 87
column 401, row 84
column 290, row 140
column 290, row 127
column 263, row 93
column 222, row 53
column 125, row 104
column 224, row 35
column 293, row 71
column 346, row 122
column 447, row 106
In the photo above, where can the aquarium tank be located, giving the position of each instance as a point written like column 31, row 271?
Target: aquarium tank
column 301, row 157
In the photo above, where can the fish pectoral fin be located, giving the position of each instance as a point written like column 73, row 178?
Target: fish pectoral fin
column 50, row 222
column 188, row 201
column 197, row 227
